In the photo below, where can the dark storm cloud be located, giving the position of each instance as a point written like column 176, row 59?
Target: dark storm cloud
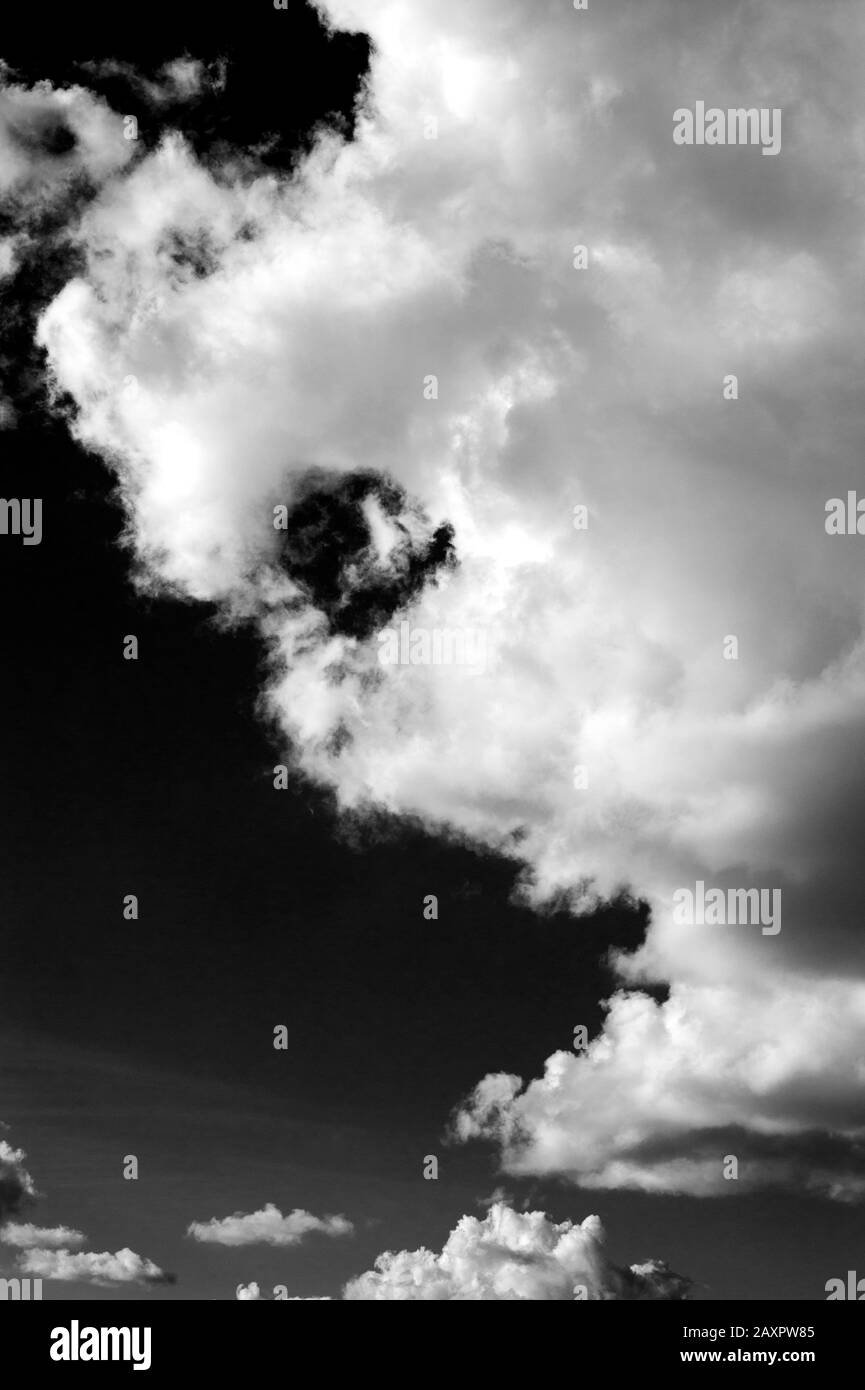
column 17, row 1190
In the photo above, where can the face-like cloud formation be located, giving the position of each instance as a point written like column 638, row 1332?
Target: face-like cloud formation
column 25, row 1235
column 53, row 138
column 267, row 1227
column 410, row 303
column 88, row 1267
column 511, row 1255
column 17, row 1188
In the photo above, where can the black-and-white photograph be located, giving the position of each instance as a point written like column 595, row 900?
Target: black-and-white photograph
column 433, row 701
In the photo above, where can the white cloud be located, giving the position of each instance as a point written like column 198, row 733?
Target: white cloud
column 662, row 1096
column 267, row 1227
column 89, row 1267
column 25, row 1235
column 46, row 1251
column 511, row 1255
column 275, row 324
column 248, row 1293
column 507, row 1255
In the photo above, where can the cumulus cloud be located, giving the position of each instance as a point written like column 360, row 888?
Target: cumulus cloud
column 660, row 1100
column 248, row 1293
column 511, row 1255
column 267, row 1227
column 508, row 1255
column 230, row 335
column 89, row 1267
column 25, row 1235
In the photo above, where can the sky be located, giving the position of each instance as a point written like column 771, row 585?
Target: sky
column 311, row 361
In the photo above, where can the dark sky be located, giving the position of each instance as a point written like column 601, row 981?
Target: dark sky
column 256, row 907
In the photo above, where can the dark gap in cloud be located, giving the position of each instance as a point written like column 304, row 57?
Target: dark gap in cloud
column 16, row 1186
column 628, row 919
column 254, row 98
column 328, row 550
column 659, row 992
column 58, row 139
column 53, row 136
column 806, row 1158
column 194, row 253
column 13, row 1196
column 258, row 96
column 45, row 262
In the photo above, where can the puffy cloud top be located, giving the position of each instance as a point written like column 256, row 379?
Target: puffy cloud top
column 511, row 1255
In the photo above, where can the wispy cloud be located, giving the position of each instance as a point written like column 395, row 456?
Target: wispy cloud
column 267, row 1227
column 25, row 1236
column 89, row 1267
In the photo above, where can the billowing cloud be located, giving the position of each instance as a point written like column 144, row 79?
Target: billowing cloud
column 89, row 1267
column 663, row 1099
column 25, row 1235
column 407, row 305
column 267, row 1227
column 508, row 1255
column 511, row 1255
